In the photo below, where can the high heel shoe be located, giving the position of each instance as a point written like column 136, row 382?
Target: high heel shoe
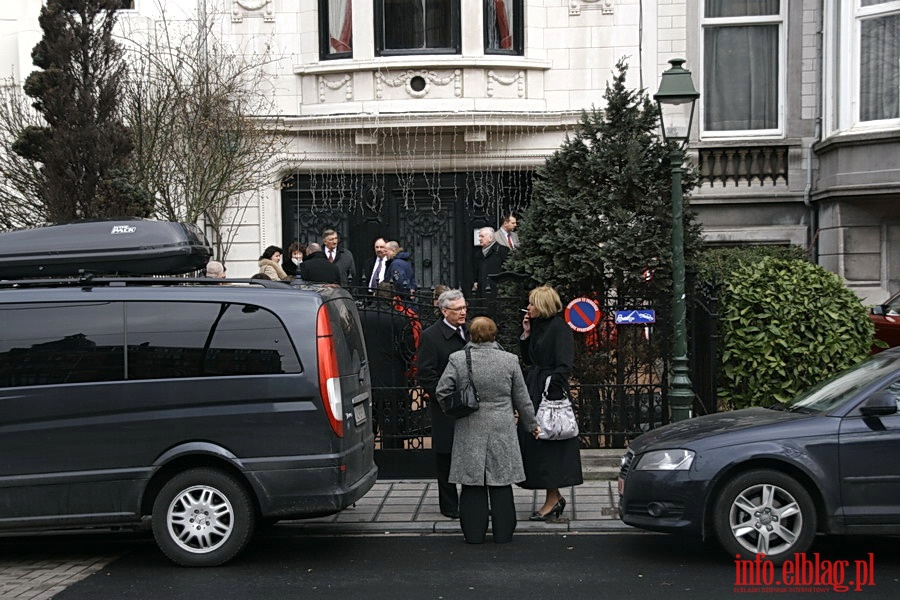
column 553, row 513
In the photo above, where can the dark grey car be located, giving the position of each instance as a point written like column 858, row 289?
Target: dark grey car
column 193, row 407
column 766, row 480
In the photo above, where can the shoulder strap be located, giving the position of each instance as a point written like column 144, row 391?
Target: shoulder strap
column 469, row 362
column 547, row 385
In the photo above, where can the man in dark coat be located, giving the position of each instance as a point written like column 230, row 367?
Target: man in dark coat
column 390, row 347
column 489, row 259
column 315, row 268
column 340, row 257
column 436, row 344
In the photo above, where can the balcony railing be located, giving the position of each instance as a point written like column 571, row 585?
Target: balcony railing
column 746, row 165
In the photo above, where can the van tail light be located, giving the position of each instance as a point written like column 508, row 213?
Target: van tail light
column 329, row 374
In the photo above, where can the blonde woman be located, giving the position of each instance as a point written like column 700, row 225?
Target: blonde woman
column 486, row 459
column 548, row 346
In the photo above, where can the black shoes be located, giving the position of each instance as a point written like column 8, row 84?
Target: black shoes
column 451, row 514
column 554, row 512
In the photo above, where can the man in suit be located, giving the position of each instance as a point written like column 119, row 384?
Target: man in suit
column 489, row 259
column 316, row 268
column 375, row 269
column 437, row 343
column 506, row 235
column 339, row 257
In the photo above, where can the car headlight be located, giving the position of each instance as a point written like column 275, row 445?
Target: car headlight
column 666, row 460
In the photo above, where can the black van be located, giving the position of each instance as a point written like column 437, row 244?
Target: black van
column 192, row 406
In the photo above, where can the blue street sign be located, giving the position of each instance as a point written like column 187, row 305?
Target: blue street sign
column 635, row 317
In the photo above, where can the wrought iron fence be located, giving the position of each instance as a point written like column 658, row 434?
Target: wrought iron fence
column 618, row 384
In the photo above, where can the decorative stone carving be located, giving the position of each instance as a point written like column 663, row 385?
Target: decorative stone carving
column 326, row 84
column 516, row 78
column 605, row 6
column 417, row 83
column 239, row 6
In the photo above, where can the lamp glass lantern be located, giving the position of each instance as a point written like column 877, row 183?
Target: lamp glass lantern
column 677, row 99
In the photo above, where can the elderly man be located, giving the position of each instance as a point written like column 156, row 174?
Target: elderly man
column 215, row 270
column 436, row 344
column 489, row 257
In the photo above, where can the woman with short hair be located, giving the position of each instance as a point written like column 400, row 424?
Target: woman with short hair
column 486, row 458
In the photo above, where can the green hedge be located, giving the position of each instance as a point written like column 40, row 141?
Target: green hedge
column 786, row 325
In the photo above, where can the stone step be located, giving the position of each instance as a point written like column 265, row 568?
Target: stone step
column 601, row 464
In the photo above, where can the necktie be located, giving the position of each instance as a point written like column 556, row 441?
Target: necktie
column 376, row 274
column 509, row 239
column 461, row 332
column 331, row 256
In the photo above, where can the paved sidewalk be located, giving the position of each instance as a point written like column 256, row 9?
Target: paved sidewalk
column 411, row 506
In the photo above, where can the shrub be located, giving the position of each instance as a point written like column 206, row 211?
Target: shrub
column 786, row 324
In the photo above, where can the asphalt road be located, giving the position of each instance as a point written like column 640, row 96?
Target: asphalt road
column 284, row 563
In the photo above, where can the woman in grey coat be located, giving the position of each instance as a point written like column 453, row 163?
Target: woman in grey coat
column 486, row 457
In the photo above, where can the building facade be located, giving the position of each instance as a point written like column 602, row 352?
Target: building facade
column 422, row 120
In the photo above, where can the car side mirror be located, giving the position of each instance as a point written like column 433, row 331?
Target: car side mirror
column 877, row 310
column 881, row 404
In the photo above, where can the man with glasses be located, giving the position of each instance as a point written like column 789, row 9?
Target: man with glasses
column 436, row 344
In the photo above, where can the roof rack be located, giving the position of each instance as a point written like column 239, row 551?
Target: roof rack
column 88, row 280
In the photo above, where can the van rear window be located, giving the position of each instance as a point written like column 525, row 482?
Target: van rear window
column 80, row 342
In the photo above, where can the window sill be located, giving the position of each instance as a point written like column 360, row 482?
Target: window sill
column 422, row 62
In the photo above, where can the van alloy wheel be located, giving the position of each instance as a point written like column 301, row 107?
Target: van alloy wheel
column 202, row 517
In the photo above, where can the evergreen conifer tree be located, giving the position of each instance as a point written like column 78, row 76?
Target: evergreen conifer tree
column 83, row 149
column 600, row 218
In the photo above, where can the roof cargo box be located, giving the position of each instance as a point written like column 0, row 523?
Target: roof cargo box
column 114, row 247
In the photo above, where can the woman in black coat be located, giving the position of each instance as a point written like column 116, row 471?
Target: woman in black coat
column 548, row 345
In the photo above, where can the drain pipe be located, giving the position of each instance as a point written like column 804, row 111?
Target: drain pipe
column 813, row 236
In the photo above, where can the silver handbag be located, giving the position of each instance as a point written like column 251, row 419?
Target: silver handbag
column 556, row 418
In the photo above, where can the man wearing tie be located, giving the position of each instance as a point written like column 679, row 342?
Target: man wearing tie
column 506, row 235
column 436, row 344
column 339, row 257
column 376, row 267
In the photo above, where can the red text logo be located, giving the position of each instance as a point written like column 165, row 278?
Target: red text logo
column 803, row 574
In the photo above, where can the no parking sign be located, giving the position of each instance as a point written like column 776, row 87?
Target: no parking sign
column 582, row 314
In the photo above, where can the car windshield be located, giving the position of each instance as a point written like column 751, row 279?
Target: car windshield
column 832, row 392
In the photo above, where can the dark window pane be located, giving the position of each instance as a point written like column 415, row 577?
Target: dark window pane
column 193, row 339
column 417, row 24
column 740, row 8
column 57, row 343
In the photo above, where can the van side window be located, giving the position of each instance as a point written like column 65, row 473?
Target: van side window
column 61, row 342
column 205, row 339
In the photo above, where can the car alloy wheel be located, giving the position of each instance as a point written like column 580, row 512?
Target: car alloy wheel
column 765, row 512
column 202, row 517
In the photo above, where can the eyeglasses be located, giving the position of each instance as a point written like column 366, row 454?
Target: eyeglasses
column 457, row 309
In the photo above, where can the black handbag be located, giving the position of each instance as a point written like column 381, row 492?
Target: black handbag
column 462, row 403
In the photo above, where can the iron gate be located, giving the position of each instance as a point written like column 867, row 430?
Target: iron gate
column 618, row 384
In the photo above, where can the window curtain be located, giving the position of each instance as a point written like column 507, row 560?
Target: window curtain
column 340, row 25
column 879, row 69
column 499, row 16
column 740, row 8
column 740, row 86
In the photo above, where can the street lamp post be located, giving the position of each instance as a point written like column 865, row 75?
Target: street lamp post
column 676, row 99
